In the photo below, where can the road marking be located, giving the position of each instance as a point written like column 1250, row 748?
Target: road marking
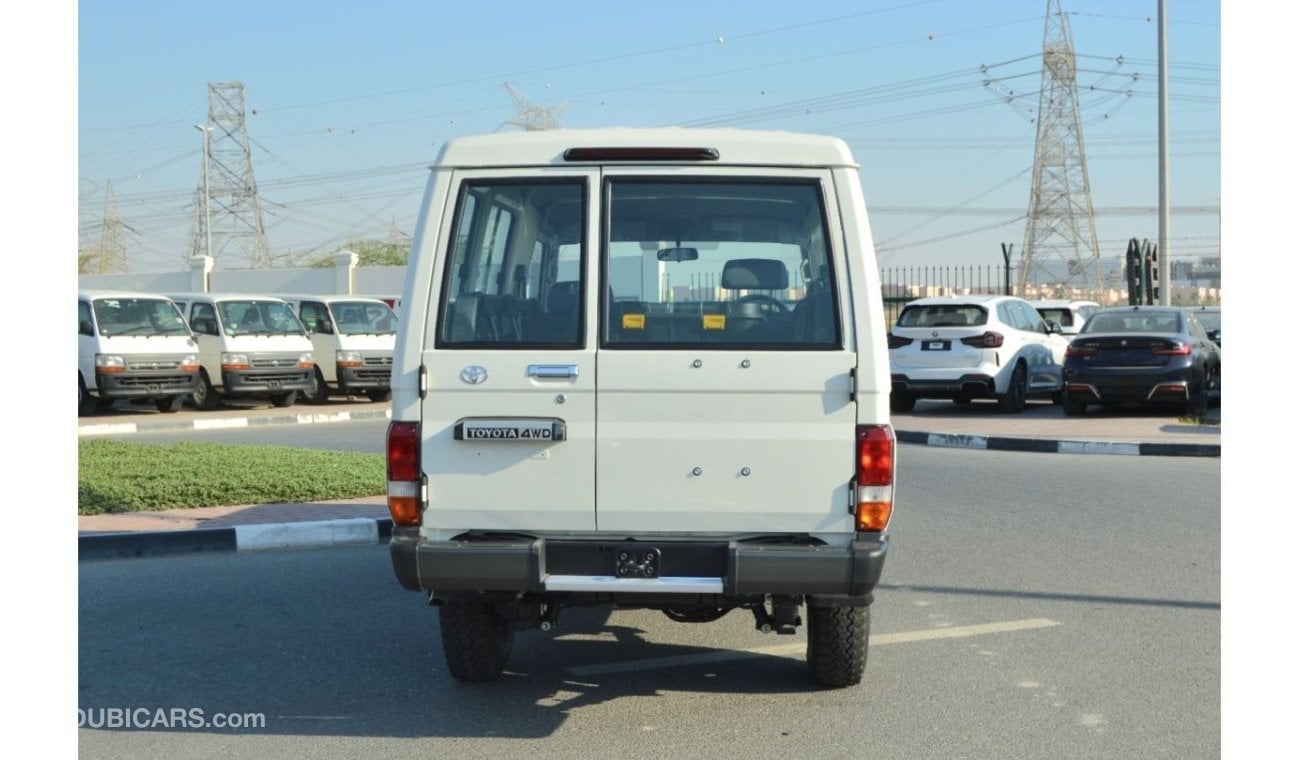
column 789, row 650
column 219, row 423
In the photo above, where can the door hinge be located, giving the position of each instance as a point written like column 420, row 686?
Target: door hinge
column 853, row 384
column 424, row 381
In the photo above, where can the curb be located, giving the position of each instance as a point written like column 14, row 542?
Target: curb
column 353, row 531
column 223, row 423
column 1054, row 446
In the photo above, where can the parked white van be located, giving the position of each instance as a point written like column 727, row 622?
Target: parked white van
column 250, row 346
column 133, row 346
column 643, row 368
column 352, row 341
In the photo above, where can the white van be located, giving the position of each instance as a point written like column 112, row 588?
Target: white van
column 250, row 346
column 352, row 341
column 643, row 368
column 133, row 346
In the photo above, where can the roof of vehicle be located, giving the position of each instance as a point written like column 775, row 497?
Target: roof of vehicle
column 329, row 297
column 1060, row 303
column 93, row 293
column 950, row 300
column 734, row 146
column 223, row 297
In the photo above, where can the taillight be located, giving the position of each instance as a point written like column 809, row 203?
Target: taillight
column 989, row 339
column 898, row 341
column 1177, row 349
column 403, row 447
column 1080, row 351
column 875, row 477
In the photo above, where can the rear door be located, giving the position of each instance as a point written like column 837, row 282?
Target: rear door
column 725, row 397
column 509, row 416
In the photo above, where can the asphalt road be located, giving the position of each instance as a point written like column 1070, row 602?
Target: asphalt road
column 1032, row 606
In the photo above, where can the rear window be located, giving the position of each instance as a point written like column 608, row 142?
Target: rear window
column 1134, row 322
column 727, row 263
column 943, row 315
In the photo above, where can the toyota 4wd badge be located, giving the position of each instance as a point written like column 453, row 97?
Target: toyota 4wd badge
column 474, row 374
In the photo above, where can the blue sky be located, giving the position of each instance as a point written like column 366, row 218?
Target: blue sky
column 346, row 103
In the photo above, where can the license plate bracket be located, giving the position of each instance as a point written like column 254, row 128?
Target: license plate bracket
column 637, row 561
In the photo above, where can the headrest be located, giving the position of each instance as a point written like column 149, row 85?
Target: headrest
column 562, row 298
column 755, row 274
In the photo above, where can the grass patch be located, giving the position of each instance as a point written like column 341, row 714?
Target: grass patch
column 115, row 476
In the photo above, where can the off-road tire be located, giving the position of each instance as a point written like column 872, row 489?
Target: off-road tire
column 380, row 396
column 901, row 403
column 205, row 396
column 837, row 644
column 169, row 404
column 476, row 641
column 319, row 392
column 1013, row 401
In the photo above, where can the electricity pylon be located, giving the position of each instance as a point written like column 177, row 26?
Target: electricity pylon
column 532, row 117
column 111, row 256
column 1061, row 231
column 229, row 215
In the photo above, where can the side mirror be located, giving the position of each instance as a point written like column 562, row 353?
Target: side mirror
column 1053, row 327
column 85, row 327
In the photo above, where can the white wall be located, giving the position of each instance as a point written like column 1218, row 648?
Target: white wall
column 344, row 278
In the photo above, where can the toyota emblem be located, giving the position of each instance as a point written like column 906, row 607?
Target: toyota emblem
column 473, row 374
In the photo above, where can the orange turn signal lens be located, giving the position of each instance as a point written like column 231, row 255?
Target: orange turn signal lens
column 873, row 516
column 404, row 509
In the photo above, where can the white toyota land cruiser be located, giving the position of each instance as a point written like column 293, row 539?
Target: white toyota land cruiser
column 643, row 368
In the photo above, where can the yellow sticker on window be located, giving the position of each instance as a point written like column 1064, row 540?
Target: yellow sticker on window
column 633, row 321
column 715, row 321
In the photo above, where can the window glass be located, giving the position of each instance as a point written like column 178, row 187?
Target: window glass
column 138, row 316
column 315, row 317
column 258, row 318
column 363, row 318
column 515, row 277
column 1029, row 318
column 945, row 315
column 728, row 264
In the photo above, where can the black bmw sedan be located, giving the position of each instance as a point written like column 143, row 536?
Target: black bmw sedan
column 1148, row 355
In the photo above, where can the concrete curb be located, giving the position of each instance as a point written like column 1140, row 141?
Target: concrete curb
column 353, row 531
column 224, row 423
column 1062, row 446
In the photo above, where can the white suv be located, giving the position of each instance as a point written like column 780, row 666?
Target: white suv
column 642, row 368
column 968, row 347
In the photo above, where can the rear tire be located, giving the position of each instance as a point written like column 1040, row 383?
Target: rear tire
column 476, row 641
column 205, row 396
column 1013, row 401
column 837, row 644
column 901, row 403
column 318, row 392
column 169, row 404
column 1198, row 397
column 1073, row 408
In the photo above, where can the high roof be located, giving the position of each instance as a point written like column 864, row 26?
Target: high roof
column 736, row 147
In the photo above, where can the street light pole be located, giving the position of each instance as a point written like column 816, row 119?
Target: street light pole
column 207, row 197
column 1162, row 248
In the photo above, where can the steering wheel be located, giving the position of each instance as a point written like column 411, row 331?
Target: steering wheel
column 767, row 304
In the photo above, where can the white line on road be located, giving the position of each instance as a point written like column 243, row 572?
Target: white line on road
column 787, row 650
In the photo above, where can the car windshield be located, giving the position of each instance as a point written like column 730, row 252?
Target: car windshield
column 363, row 318
column 258, row 318
column 1134, row 322
column 138, row 316
column 942, row 315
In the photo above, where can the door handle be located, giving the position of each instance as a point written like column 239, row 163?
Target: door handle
column 553, row 371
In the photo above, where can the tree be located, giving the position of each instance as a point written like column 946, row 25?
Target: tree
column 370, row 253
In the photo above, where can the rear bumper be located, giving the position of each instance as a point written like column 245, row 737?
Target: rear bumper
column 972, row 384
column 1128, row 385
column 688, row 567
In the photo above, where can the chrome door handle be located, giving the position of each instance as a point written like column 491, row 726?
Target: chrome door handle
column 553, row 371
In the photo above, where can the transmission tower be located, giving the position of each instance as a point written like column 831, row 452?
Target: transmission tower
column 1061, row 231
column 532, row 117
column 111, row 256
column 228, row 217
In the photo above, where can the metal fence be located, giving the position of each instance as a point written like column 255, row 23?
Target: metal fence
column 1192, row 285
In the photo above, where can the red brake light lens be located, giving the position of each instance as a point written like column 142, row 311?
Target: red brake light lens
column 898, row 341
column 875, row 455
column 403, row 451
column 1080, row 351
column 1177, row 349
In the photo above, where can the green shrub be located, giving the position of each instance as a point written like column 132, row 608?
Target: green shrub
column 115, row 476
